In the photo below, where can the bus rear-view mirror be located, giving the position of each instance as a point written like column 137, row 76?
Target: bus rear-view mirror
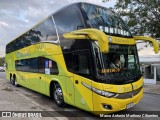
column 149, row 39
column 91, row 34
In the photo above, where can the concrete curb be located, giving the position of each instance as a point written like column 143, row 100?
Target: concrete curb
column 151, row 92
column 152, row 89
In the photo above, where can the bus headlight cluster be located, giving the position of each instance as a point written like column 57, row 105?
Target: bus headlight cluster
column 103, row 93
column 99, row 92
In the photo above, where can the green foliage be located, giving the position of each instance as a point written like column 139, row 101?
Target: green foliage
column 142, row 15
column 2, row 61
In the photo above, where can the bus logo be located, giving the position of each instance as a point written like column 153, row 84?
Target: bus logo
column 110, row 39
column 6, row 114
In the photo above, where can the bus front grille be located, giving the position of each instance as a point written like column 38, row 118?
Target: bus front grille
column 128, row 94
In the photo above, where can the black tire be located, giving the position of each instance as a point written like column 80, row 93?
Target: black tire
column 58, row 95
column 12, row 80
column 15, row 82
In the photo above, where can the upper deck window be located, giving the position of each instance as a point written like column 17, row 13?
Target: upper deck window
column 105, row 20
column 68, row 20
column 44, row 31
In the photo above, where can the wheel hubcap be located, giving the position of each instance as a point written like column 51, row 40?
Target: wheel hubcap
column 15, row 83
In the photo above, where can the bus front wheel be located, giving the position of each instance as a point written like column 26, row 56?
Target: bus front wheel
column 58, row 95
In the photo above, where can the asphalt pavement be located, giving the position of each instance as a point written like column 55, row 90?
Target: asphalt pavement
column 22, row 99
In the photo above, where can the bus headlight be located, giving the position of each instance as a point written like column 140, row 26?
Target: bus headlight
column 103, row 93
column 99, row 92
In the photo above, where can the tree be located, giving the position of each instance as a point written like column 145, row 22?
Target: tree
column 142, row 15
column 2, row 61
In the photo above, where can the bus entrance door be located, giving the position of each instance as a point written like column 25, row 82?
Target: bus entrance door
column 83, row 95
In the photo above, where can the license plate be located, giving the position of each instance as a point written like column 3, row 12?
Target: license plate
column 129, row 105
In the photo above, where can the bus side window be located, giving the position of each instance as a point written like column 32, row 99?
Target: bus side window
column 33, row 65
column 41, row 67
column 54, row 68
column 23, row 65
column 68, row 20
column 78, row 62
column 82, row 63
column 18, row 65
column 45, row 31
column 51, row 67
column 69, row 61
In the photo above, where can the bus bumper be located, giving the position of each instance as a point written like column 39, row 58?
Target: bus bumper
column 109, row 105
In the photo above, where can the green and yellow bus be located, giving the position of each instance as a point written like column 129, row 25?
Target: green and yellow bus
column 83, row 55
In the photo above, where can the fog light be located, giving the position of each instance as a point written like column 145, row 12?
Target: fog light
column 105, row 106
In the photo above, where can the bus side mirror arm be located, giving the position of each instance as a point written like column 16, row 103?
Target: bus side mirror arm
column 91, row 34
column 144, row 38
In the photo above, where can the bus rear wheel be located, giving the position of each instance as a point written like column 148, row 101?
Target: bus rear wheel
column 14, row 82
column 58, row 95
column 11, row 80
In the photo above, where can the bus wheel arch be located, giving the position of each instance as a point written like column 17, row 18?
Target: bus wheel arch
column 56, row 93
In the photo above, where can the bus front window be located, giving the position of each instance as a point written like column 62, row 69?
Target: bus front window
column 119, row 66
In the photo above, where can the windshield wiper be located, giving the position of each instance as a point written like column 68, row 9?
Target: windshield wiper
column 130, row 77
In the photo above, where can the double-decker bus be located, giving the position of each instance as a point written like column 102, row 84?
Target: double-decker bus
column 83, row 55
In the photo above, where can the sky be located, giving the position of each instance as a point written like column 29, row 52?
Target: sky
column 17, row 16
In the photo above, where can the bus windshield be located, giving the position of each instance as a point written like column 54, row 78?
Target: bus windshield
column 119, row 66
column 106, row 20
